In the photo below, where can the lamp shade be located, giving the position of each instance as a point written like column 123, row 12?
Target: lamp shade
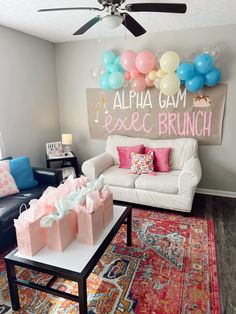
column 66, row 139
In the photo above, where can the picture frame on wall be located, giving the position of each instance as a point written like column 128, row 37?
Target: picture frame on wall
column 54, row 149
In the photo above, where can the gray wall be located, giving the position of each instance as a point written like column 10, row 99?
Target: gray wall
column 28, row 95
column 74, row 61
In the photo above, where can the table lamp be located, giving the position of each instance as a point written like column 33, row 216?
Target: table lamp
column 66, row 140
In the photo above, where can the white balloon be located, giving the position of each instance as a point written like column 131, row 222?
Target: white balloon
column 191, row 55
column 160, row 73
column 170, row 84
column 214, row 51
column 96, row 72
column 157, row 83
column 169, row 61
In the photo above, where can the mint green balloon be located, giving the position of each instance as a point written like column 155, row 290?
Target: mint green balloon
column 113, row 68
column 116, row 80
column 117, row 62
column 108, row 57
column 104, row 81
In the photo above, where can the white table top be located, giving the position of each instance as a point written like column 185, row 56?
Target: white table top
column 76, row 256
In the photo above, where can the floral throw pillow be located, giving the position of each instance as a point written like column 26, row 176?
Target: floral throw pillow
column 142, row 163
column 7, row 183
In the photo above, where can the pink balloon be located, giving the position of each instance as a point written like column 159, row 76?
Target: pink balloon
column 145, row 61
column 134, row 74
column 138, row 84
column 127, row 76
column 127, row 59
column 148, row 82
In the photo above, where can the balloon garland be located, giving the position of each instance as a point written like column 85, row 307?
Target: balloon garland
column 164, row 71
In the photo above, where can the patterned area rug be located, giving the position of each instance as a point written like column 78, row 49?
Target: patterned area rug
column 170, row 269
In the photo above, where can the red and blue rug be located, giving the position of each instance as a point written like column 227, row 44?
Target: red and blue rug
column 170, row 269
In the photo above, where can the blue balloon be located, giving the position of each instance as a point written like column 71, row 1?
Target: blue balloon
column 108, row 57
column 203, row 63
column 113, row 68
column 116, row 80
column 195, row 83
column 185, row 71
column 213, row 77
column 182, row 82
column 104, row 81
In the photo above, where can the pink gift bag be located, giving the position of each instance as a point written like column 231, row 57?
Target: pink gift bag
column 62, row 232
column 107, row 210
column 30, row 237
column 90, row 225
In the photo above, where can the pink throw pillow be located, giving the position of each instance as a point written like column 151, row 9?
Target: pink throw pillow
column 161, row 158
column 142, row 163
column 124, row 153
column 7, row 183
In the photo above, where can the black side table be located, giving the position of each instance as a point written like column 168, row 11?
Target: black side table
column 67, row 161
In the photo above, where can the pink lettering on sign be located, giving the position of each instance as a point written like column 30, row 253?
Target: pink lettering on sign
column 172, row 118
column 207, row 124
column 162, row 126
column 193, row 123
column 136, row 123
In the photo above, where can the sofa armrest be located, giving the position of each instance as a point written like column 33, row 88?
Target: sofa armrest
column 47, row 176
column 92, row 168
column 189, row 177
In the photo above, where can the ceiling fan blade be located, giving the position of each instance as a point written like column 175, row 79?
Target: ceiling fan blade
column 133, row 26
column 87, row 26
column 70, row 9
column 157, row 7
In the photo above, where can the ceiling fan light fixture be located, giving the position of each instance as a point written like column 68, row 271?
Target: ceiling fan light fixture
column 112, row 20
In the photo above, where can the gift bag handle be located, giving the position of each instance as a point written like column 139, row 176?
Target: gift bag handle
column 21, row 208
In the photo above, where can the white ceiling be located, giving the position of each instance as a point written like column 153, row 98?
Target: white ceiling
column 59, row 26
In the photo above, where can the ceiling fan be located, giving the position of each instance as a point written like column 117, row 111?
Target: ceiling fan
column 117, row 15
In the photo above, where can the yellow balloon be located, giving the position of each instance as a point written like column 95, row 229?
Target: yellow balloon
column 169, row 61
column 157, row 83
column 170, row 84
column 160, row 73
column 152, row 75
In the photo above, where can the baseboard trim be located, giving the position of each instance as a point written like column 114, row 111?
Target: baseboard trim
column 216, row 192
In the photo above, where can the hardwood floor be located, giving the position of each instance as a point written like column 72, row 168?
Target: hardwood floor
column 223, row 212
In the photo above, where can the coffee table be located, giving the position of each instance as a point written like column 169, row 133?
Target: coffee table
column 75, row 263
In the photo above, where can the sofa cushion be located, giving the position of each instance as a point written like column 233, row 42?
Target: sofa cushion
column 163, row 182
column 182, row 148
column 142, row 163
column 10, row 205
column 119, row 177
column 124, row 154
column 22, row 173
column 161, row 158
column 7, row 183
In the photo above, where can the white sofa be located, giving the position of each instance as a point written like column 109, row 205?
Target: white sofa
column 170, row 190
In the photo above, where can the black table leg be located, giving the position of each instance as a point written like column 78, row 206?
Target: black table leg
column 129, row 228
column 11, row 276
column 83, row 308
